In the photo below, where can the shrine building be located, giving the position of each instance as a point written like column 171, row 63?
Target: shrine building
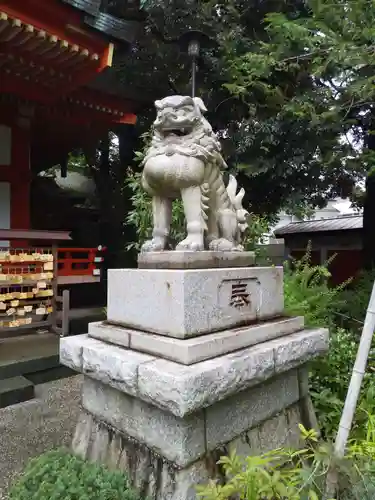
column 52, row 55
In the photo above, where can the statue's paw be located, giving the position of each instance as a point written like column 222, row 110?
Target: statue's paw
column 191, row 244
column 222, row 245
column 154, row 245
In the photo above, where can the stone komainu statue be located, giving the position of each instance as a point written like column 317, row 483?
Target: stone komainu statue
column 184, row 160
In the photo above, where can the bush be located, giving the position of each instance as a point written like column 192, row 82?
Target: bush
column 354, row 301
column 140, row 217
column 307, row 292
column 286, row 474
column 329, row 382
column 57, row 475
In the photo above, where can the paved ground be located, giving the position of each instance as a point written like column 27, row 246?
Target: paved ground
column 29, row 429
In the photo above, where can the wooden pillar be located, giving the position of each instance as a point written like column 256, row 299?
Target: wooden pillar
column 20, row 178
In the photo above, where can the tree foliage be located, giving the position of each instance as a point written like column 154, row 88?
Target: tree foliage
column 276, row 86
column 332, row 49
column 288, row 85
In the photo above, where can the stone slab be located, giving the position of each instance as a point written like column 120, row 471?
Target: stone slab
column 187, row 303
column 181, row 441
column 110, row 364
column 228, row 419
column 200, row 385
column 103, row 330
column 180, row 389
column 193, row 350
column 194, row 260
column 297, row 352
column 279, row 431
column 15, row 390
column 71, row 351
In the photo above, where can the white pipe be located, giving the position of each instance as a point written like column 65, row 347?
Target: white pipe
column 359, row 370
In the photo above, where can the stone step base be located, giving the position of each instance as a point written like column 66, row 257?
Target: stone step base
column 50, row 375
column 15, row 390
column 194, row 260
column 191, row 351
column 28, row 353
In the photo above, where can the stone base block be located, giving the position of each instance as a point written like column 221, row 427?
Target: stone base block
column 193, row 350
column 185, row 440
column 167, row 424
column 194, row 260
column 184, row 390
column 154, row 476
column 179, row 440
column 186, row 303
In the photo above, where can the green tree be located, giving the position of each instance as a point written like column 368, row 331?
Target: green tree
column 280, row 158
column 284, row 83
column 333, row 49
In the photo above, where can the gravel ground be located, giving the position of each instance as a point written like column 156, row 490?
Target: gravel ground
column 31, row 428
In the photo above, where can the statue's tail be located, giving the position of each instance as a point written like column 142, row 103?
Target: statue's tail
column 236, row 201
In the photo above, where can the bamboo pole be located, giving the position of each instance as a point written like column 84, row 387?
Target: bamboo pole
column 352, row 396
column 356, row 380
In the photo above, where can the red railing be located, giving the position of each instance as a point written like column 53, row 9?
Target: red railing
column 79, row 261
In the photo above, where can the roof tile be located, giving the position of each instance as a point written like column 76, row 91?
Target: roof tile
column 315, row 226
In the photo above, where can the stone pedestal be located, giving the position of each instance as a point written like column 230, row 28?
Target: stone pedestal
column 184, row 303
column 221, row 369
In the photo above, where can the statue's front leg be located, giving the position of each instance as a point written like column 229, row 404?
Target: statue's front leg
column 195, row 224
column 162, row 215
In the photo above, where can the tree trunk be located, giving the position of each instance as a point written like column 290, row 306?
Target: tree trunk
column 368, row 233
column 127, row 136
column 109, row 171
column 368, row 223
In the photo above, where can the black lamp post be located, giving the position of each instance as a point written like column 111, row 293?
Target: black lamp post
column 191, row 42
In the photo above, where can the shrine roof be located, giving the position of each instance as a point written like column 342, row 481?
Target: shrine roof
column 120, row 23
column 53, row 51
column 345, row 223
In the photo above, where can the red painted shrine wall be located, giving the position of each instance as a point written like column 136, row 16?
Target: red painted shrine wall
column 18, row 172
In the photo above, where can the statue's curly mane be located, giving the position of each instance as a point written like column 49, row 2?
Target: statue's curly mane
column 200, row 142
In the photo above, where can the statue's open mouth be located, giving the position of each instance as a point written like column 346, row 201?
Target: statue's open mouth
column 180, row 132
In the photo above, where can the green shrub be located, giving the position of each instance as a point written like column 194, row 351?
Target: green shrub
column 140, row 217
column 354, row 301
column 57, row 475
column 286, row 474
column 307, row 292
column 329, row 381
